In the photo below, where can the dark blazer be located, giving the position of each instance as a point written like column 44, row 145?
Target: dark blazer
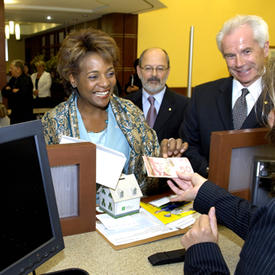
column 253, row 224
column 21, row 102
column 210, row 109
column 170, row 115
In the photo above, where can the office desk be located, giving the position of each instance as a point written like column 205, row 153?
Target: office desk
column 92, row 253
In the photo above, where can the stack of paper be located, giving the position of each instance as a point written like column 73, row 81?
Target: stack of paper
column 142, row 225
column 130, row 228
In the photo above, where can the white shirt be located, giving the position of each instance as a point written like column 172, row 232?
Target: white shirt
column 255, row 90
column 158, row 99
column 44, row 84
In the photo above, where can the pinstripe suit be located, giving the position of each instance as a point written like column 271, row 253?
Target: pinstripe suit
column 255, row 225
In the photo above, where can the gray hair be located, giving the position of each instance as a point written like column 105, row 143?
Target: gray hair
column 142, row 55
column 257, row 24
column 19, row 64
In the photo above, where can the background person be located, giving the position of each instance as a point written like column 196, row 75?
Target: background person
column 169, row 107
column 58, row 93
column 18, row 91
column 134, row 83
column 26, row 69
column 42, row 82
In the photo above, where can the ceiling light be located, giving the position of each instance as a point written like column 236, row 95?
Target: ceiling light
column 11, row 24
column 17, row 32
column 7, row 32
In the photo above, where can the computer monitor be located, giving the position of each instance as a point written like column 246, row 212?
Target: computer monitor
column 30, row 231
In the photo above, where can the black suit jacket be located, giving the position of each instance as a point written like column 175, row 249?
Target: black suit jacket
column 170, row 115
column 253, row 224
column 210, row 109
column 21, row 102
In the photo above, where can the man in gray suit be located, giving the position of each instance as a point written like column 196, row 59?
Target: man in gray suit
column 243, row 42
column 166, row 113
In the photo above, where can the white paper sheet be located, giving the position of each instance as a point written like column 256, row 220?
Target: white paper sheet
column 145, row 226
column 160, row 202
column 109, row 163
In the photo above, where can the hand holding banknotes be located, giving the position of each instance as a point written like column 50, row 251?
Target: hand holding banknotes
column 188, row 185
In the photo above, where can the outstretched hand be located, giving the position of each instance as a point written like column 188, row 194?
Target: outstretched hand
column 205, row 229
column 186, row 187
column 172, row 147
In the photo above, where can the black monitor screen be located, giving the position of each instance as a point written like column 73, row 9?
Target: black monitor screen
column 30, row 227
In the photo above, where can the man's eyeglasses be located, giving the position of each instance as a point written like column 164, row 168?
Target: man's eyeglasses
column 159, row 69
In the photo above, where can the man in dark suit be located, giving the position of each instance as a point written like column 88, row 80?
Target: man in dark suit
column 168, row 107
column 215, row 106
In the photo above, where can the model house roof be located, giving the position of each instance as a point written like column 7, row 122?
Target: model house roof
column 127, row 188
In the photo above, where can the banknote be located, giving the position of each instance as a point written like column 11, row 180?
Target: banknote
column 166, row 167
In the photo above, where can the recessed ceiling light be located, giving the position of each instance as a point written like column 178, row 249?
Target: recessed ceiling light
column 49, row 17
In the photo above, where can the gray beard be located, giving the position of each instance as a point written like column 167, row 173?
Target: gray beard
column 153, row 89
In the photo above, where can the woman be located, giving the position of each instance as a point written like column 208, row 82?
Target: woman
column 86, row 62
column 18, row 91
column 42, row 82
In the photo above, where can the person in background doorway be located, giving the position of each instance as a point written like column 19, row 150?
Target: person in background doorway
column 134, row 83
column 18, row 92
column 58, row 93
column 42, row 82
column 26, row 69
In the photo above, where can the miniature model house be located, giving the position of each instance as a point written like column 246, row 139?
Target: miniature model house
column 124, row 200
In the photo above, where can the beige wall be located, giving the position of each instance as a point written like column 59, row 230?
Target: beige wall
column 169, row 28
column 16, row 50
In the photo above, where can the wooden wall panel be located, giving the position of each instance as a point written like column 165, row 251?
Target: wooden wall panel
column 3, row 78
column 122, row 27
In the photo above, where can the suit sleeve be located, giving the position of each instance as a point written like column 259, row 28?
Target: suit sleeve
column 203, row 259
column 231, row 211
column 253, row 224
column 190, row 132
column 5, row 91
